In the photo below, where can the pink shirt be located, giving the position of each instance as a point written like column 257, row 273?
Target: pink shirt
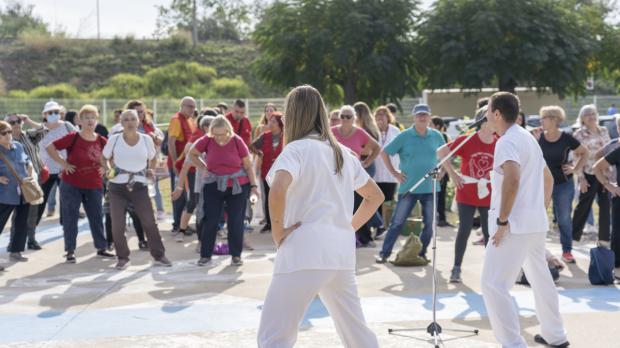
column 355, row 142
column 224, row 160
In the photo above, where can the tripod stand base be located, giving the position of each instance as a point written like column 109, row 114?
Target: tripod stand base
column 434, row 329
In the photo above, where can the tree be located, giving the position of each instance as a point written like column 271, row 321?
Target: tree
column 206, row 19
column 538, row 43
column 17, row 19
column 180, row 79
column 360, row 47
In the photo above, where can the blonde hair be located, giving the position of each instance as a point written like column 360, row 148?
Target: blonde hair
column 553, row 111
column 4, row 126
column 386, row 110
column 365, row 119
column 88, row 109
column 221, row 122
column 306, row 113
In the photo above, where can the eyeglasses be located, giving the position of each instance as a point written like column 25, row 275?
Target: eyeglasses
column 5, row 133
column 12, row 123
column 346, row 117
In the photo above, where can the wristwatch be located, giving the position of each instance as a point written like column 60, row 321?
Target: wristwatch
column 501, row 223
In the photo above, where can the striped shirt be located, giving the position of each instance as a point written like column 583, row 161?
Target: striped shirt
column 29, row 140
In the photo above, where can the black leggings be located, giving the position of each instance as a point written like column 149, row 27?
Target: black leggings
column 466, row 221
column 47, row 188
column 582, row 210
column 266, row 202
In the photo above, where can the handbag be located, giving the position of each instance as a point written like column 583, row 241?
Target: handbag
column 601, row 267
column 30, row 189
column 44, row 174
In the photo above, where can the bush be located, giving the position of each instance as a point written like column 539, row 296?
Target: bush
column 231, row 88
column 125, row 86
column 61, row 90
column 18, row 94
column 179, row 79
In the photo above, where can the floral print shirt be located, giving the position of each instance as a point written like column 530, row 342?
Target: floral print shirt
column 593, row 142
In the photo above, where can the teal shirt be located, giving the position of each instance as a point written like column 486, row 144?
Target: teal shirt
column 417, row 157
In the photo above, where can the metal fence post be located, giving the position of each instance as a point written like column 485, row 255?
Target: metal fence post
column 104, row 109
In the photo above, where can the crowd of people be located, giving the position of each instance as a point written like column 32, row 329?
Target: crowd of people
column 218, row 162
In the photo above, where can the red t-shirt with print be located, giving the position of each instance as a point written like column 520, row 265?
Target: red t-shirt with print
column 85, row 156
column 224, row 160
column 476, row 162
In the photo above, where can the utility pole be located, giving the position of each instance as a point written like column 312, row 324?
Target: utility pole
column 98, row 23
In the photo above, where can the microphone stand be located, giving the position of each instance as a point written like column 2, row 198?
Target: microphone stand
column 434, row 329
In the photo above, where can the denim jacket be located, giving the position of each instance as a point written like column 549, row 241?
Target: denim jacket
column 9, row 193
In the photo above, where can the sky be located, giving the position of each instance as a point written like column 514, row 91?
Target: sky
column 78, row 18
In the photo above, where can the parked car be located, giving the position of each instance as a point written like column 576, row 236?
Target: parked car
column 533, row 121
column 608, row 122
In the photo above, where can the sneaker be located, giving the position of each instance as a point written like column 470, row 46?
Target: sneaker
column 110, row 246
column 539, row 339
column 103, row 253
column 143, row 245
column 34, row 245
column 455, row 276
column 121, row 264
column 379, row 235
column 265, row 229
column 480, row 241
column 444, row 223
column 188, row 231
column 370, row 244
column 236, row 261
column 590, row 229
column 568, row 257
column 17, row 257
column 179, row 237
column 162, row 262
column 381, row 259
column 203, row 261
column 161, row 215
column 1, row 269
column 70, row 257
column 51, row 213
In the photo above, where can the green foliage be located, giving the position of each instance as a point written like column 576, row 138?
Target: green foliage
column 60, row 90
column 364, row 47
column 18, row 94
column 230, row 88
column 17, row 19
column 540, row 43
column 123, row 86
column 179, row 79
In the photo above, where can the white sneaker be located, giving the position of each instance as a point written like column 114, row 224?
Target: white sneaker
column 161, row 215
column 590, row 229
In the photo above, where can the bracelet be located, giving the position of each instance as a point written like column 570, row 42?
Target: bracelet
column 253, row 186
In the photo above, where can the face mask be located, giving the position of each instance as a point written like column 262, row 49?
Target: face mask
column 53, row 118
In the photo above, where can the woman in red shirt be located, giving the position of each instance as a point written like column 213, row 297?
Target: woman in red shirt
column 473, row 186
column 268, row 147
column 228, row 183
column 82, row 181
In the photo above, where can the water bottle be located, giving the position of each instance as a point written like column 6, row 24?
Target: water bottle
column 151, row 187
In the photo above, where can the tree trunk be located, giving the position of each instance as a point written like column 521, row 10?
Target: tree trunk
column 349, row 91
column 507, row 84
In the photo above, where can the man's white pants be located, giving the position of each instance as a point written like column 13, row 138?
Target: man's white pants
column 501, row 267
column 289, row 296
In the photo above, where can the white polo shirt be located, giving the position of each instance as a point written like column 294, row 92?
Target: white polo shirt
column 528, row 213
column 323, row 202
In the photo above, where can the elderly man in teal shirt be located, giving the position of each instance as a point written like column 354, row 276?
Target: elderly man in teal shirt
column 416, row 148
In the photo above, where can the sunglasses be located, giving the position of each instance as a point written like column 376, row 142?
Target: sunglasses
column 12, row 123
column 5, row 133
column 346, row 117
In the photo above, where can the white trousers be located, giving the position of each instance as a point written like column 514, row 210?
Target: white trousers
column 290, row 295
column 501, row 267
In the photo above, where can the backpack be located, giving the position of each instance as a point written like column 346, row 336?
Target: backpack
column 164, row 144
column 601, row 266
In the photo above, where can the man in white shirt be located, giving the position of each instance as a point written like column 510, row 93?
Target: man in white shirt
column 521, row 190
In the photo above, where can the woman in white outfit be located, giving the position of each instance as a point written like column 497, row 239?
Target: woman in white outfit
column 311, row 205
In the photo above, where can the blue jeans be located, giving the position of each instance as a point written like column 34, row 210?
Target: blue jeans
column 159, row 203
column 562, row 207
column 405, row 205
column 72, row 197
column 51, row 201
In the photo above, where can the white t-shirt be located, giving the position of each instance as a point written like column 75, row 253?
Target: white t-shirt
column 323, row 202
column 382, row 174
column 528, row 213
column 130, row 158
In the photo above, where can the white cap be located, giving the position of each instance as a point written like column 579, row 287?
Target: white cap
column 51, row 105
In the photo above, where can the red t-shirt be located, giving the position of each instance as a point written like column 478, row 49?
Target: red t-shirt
column 85, row 156
column 242, row 128
column 355, row 142
column 224, row 160
column 477, row 163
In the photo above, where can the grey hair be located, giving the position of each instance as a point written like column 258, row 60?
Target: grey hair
column 206, row 120
column 349, row 108
column 586, row 109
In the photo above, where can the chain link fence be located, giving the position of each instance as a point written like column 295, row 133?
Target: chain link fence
column 165, row 108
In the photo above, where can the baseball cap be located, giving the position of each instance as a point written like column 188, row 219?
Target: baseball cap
column 51, row 105
column 421, row 109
